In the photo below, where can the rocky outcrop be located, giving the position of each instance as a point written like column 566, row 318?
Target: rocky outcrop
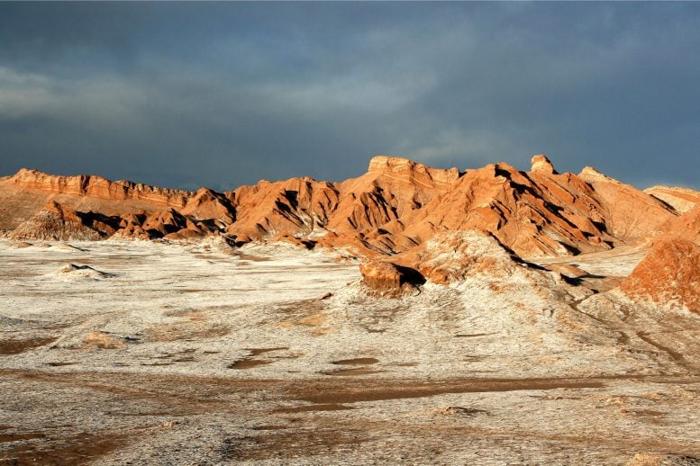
column 668, row 275
column 452, row 256
column 630, row 215
column 55, row 222
column 294, row 207
column 681, row 199
column 531, row 213
column 206, row 204
column 687, row 226
column 389, row 279
column 98, row 187
column 413, row 171
column 395, row 207
column 540, row 163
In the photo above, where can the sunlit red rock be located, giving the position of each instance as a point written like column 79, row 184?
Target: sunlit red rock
column 389, row 279
column 687, row 226
column 541, row 163
column 681, row 199
column 630, row 214
column 452, row 256
column 55, row 222
column 397, row 206
column 668, row 275
column 98, row 187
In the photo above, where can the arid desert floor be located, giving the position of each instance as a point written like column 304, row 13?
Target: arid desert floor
column 135, row 352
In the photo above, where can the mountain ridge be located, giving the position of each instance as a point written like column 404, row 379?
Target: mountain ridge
column 397, row 205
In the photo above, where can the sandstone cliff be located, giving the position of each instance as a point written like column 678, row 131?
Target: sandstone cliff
column 681, row 199
column 669, row 275
column 395, row 207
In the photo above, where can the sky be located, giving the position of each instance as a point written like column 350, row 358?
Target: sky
column 224, row 94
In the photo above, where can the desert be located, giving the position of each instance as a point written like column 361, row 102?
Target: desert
column 411, row 314
column 330, row 233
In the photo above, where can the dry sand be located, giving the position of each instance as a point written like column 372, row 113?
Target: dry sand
column 162, row 353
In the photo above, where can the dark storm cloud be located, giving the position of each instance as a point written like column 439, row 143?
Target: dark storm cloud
column 223, row 94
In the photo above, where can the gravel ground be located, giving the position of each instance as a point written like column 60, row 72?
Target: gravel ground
column 131, row 352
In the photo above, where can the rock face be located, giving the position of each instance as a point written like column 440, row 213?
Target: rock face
column 389, row 279
column 669, row 274
column 77, row 271
column 540, row 163
column 630, row 215
column 98, row 187
column 295, row 207
column 681, row 199
column 55, row 222
column 687, row 226
column 452, row 256
column 395, row 208
column 536, row 213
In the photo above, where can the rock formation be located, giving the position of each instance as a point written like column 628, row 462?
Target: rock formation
column 389, row 279
column 55, row 222
column 630, row 215
column 681, row 199
column 668, row 275
column 395, row 208
column 295, row 207
column 540, row 163
column 452, row 256
column 98, row 188
column 687, row 226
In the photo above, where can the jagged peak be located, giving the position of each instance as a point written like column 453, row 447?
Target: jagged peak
column 393, row 164
column 36, row 179
column 33, row 173
column 593, row 174
column 203, row 191
column 540, row 163
column 28, row 171
column 677, row 189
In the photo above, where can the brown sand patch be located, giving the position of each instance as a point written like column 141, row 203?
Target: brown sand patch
column 313, row 407
column 662, row 459
column 174, row 332
column 259, row 351
column 185, row 359
column 395, row 390
column 252, row 258
column 473, row 335
column 356, row 361
column 277, row 444
column 193, row 315
column 459, row 411
column 175, row 390
column 20, row 346
column 102, row 340
column 307, row 313
column 79, row 449
column 14, row 437
column 352, row 371
column 248, row 363
column 314, row 321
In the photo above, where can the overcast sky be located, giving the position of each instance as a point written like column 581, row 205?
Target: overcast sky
column 224, row 94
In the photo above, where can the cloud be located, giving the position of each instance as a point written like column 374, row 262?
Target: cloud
column 88, row 100
column 223, row 94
